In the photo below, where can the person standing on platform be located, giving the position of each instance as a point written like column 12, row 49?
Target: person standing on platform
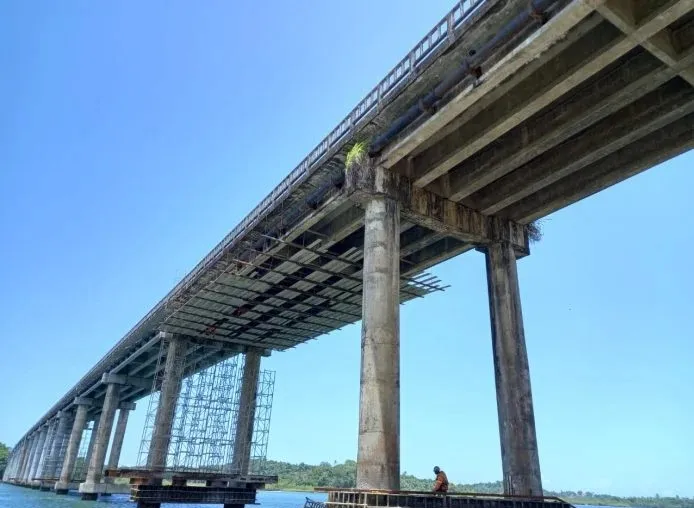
column 441, row 483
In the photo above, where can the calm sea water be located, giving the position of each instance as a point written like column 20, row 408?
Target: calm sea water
column 19, row 497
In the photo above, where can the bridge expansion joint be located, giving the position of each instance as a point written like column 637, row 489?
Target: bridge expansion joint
column 368, row 180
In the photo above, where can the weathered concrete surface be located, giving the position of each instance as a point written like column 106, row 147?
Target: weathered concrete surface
column 378, row 456
column 30, row 458
column 420, row 206
column 169, row 392
column 45, row 451
column 103, row 434
column 246, row 416
column 73, row 445
column 57, row 450
column 519, row 454
column 36, row 456
column 92, row 441
column 123, row 412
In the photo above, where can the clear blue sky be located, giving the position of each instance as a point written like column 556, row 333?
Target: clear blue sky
column 134, row 135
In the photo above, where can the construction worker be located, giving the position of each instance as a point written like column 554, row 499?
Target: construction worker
column 441, row 483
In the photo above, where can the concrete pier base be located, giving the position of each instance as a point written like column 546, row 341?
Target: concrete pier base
column 103, row 433
column 62, row 485
column 519, row 453
column 378, row 455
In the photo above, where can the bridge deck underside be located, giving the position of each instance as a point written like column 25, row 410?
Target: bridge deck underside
column 562, row 110
column 612, row 95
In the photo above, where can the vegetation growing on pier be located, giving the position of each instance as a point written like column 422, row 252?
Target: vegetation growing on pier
column 306, row 477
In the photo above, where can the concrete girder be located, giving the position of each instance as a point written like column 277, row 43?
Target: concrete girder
column 670, row 141
column 589, row 105
column 567, row 70
column 546, row 36
column 623, row 14
column 430, row 210
column 648, row 114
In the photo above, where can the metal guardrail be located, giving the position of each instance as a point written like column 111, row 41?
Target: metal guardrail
column 443, row 31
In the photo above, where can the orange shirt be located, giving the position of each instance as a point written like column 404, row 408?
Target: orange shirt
column 441, row 483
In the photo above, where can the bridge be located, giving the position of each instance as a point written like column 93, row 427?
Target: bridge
column 506, row 111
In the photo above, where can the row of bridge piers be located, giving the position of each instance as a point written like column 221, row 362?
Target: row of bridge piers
column 47, row 459
column 50, row 453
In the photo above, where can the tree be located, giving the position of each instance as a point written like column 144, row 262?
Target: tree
column 4, row 455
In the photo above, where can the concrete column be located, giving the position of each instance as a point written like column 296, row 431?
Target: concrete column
column 519, row 454
column 378, row 456
column 37, row 455
column 119, row 435
column 30, row 459
column 56, row 456
column 246, row 416
column 26, row 452
column 50, row 434
column 168, row 396
column 100, row 439
column 73, row 445
column 92, row 441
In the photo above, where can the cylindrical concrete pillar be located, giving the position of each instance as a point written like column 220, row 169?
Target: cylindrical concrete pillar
column 92, row 441
column 45, row 452
column 57, row 453
column 37, row 455
column 246, row 415
column 378, row 456
column 101, row 436
column 168, row 396
column 119, row 435
column 26, row 451
column 519, row 453
column 30, row 459
column 73, row 445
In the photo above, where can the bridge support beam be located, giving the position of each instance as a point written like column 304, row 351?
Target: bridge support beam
column 26, row 460
column 169, row 392
column 519, row 453
column 100, row 439
column 117, row 445
column 378, row 456
column 57, row 453
column 36, row 456
column 73, row 445
column 45, row 452
column 246, row 415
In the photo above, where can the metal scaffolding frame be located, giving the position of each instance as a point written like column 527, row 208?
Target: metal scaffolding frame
column 79, row 474
column 205, row 418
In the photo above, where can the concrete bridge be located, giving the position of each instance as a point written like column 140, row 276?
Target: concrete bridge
column 507, row 111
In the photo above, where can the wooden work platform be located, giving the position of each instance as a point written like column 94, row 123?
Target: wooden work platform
column 353, row 498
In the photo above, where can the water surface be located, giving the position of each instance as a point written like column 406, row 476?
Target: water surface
column 19, row 497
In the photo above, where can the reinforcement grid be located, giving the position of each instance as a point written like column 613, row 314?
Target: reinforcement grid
column 207, row 413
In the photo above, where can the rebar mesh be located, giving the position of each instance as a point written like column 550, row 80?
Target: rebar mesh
column 206, row 416
column 80, row 471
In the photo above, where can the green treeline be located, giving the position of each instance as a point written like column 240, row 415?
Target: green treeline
column 306, row 477
column 4, row 455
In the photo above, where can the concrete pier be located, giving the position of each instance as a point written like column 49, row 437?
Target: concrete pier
column 519, row 454
column 123, row 412
column 73, row 445
column 92, row 441
column 45, row 452
column 378, row 456
column 56, row 456
column 100, row 438
column 246, row 416
column 36, row 456
column 169, row 392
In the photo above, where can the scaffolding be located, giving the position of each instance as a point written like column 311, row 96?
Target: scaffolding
column 79, row 474
column 207, row 412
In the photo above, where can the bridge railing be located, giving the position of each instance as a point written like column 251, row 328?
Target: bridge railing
column 443, row 31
